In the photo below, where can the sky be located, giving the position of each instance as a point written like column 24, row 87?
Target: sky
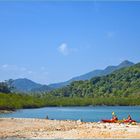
column 51, row 42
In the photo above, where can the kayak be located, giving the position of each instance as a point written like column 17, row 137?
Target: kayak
column 119, row 121
column 109, row 121
column 128, row 121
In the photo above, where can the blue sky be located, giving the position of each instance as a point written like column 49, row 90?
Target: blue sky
column 50, row 42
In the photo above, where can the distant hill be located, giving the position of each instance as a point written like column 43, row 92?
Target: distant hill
column 121, row 83
column 93, row 73
column 26, row 85
column 43, row 88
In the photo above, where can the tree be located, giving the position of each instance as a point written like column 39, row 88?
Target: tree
column 4, row 87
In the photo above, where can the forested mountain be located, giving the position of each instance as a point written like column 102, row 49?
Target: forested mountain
column 120, row 83
column 43, row 88
column 24, row 85
column 93, row 73
column 122, row 87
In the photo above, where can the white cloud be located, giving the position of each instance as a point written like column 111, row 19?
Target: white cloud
column 8, row 71
column 4, row 66
column 63, row 48
column 8, row 67
column 15, row 69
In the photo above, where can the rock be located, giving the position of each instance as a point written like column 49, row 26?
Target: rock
column 58, row 128
column 78, row 121
column 104, row 126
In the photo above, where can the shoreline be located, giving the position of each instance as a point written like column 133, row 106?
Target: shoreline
column 6, row 111
column 64, row 129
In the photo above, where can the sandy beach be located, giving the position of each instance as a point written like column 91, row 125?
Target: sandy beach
column 52, row 129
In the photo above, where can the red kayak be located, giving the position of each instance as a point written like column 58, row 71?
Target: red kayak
column 115, row 121
column 128, row 121
column 109, row 121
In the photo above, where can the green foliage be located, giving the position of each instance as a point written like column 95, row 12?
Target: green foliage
column 17, row 101
column 121, row 83
column 4, row 87
column 122, row 87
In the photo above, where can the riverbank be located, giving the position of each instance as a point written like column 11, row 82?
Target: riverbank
column 43, row 128
column 6, row 111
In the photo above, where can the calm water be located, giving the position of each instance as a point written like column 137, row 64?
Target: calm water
column 74, row 113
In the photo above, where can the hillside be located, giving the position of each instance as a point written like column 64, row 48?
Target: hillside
column 121, row 83
column 122, row 87
column 41, row 89
column 93, row 73
column 26, row 85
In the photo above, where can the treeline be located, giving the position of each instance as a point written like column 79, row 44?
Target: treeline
column 4, row 87
column 17, row 101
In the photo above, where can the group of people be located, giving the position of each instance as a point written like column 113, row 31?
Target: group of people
column 115, row 118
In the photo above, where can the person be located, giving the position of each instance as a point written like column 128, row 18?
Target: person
column 47, row 117
column 114, row 118
column 129, row 118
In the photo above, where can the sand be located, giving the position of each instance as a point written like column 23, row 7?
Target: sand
column 52, row 129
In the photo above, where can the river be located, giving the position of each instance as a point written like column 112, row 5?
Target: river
column 90, row 113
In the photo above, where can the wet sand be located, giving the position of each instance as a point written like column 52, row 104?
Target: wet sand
column 52, row 129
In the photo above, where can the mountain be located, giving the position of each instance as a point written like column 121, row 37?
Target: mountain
column 26, row 85
column 93, row 73
column 124, row 82
column 43, row 88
